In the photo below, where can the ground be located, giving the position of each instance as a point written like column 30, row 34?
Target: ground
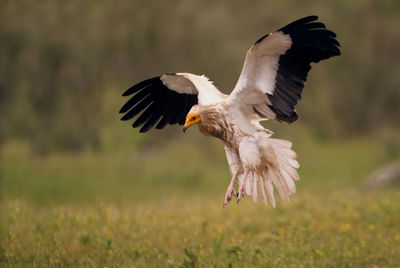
column 107, row 209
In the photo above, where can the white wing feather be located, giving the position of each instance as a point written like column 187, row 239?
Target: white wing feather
column 187, row 83
column 259, row 72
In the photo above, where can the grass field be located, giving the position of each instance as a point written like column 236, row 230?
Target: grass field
column 80, row 188
column 161, row 206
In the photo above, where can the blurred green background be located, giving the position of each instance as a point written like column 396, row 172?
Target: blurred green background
column 65, row 64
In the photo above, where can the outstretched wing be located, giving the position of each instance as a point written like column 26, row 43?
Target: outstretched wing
column 276, row 68
column 168, row 97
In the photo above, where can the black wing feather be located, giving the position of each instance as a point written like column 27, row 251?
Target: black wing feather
column 135, row 99
column 155, row 116
column 154, row 100
column 167, row 111
column 174, row 112
column 180, row 114
column 152, row 120
column 167, row 118
column 137, row 109
column 145, row 115
column 140, row 85
column 311, row 42
column 189, row 99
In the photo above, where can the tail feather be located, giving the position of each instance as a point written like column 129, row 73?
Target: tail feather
column 280, row 171
column 279, row 184
column 263, row 194
column 290, row 161
column 248, row 184
column 270, row 191
column 255, row 190
column 289, row 181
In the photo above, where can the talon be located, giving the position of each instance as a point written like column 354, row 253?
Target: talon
column 242, row 187
column 230, row 191
column 239, row 198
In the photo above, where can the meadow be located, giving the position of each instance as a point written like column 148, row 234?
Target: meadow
column 161, row 206
column 80, row 188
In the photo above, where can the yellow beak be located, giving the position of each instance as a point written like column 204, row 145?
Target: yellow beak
column 191, row 119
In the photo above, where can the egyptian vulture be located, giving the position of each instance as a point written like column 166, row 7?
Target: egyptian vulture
column 269, row 87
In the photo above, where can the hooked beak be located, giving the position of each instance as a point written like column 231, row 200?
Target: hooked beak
column 191, row 119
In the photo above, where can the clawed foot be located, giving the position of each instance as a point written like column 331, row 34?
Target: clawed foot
column 240, row 192
column 229, row 193
column 242, row 187
column 231, row 190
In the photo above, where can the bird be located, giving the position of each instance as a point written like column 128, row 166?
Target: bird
column 269, row 86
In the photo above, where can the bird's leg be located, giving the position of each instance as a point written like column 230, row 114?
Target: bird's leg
column 231, row 190
column 242, row 186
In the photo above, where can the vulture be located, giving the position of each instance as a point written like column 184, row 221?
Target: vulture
column 269, row 86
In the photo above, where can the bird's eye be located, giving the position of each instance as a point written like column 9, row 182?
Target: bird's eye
column 192, row 119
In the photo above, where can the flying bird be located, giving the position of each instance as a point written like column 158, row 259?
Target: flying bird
column 269, row 87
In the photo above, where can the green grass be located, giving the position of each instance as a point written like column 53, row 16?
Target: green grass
column 161, row 206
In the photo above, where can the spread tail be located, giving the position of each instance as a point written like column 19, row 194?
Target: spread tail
column 279, row 170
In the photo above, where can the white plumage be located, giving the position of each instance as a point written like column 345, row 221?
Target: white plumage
column 269, row 87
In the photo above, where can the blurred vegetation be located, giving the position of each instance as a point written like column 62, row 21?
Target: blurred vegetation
column 80, row 188
column 162, row 207
column 315, row 230
column 64, row 63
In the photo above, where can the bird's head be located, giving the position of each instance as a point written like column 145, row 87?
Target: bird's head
column 192, row 118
